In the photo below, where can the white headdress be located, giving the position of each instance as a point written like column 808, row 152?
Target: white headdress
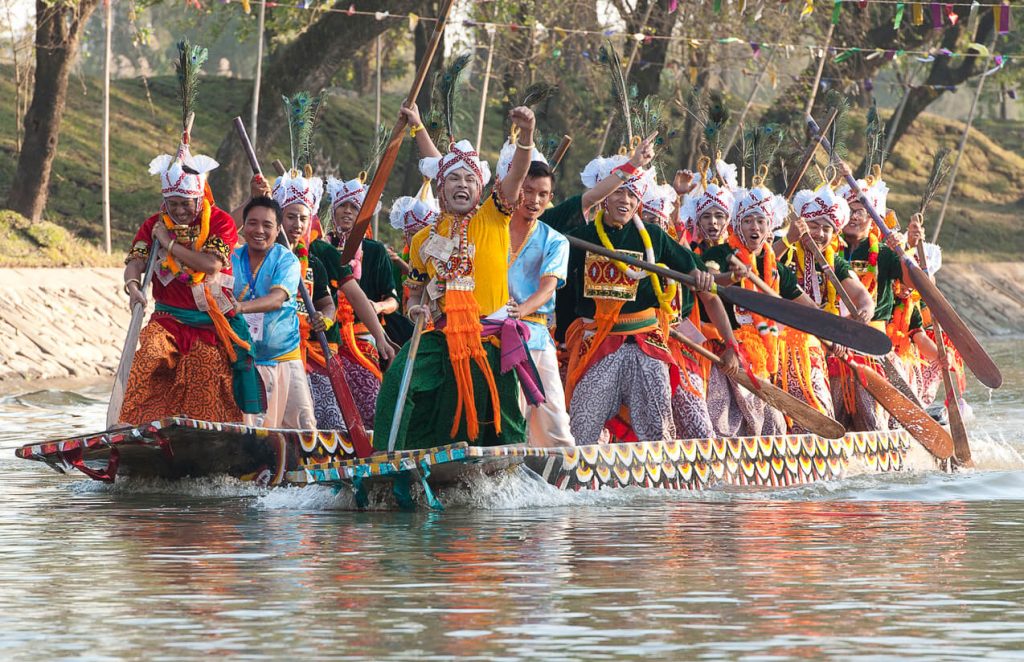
column 353, row 191
column 294, row 187
column 508, row 150
column 759, row 200
column 709, row 195
column 933, row 254
column 661, row 201
column 461, row 155
column 822, row 204
column 602, row 167
column 874, row 188
column 410, row 214
column 184, row 175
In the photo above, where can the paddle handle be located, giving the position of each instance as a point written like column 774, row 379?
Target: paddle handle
column 830, row 273
column 805, row 162
column 560, row 151
column 611, row 254
column 403, row 389
column 250, row 153
column 387, row 161
column 755, row 279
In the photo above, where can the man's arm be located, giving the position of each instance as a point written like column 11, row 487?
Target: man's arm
column 861, row 298
column 207, row 263
column 366, row 314
column 546, row 290
column 423, row 141
column 642, row 155
column 264, row 304
column 523, row 118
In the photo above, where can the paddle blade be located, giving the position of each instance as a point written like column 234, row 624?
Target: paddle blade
column 846, row 332
column 347, row 404
column 919, row 424
column 802, row 413
column 974, row 355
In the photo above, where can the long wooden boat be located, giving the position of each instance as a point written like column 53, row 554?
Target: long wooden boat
column 175, row 448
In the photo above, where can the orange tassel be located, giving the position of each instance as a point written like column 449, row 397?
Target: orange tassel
column 464, row 343
column 228, row 338
column 346, row 319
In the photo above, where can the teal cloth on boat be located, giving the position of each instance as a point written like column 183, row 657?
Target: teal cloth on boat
column 245, row 381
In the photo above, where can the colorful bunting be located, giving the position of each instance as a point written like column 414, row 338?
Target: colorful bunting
column 898, row 20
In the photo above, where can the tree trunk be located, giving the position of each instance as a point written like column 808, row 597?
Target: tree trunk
column 59, row 29
column 307, row 63
column 646, row 73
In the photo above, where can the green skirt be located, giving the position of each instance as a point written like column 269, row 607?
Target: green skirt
column 430, row 405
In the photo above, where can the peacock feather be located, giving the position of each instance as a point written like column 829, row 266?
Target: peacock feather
column 444, row 95
column 875, row 140
column 377, row 148
column 941, row 168
column 303, row 114
column 538, row 93
column 622, row 94
column 836, row 100
column 189, row 65
column 761, row 143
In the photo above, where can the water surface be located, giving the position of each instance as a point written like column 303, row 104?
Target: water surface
column 917, row 565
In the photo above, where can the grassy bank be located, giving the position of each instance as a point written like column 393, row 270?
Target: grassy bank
column 980, row 223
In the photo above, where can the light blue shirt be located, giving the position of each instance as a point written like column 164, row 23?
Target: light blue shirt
column 280, row 328
column 544, row 253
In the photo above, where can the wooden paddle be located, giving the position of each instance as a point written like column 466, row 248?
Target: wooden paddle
column 974, row 355
column 913, row 418
column 805, row 163
column 796, row 409
column 387, row 161
column 335, row 368
column 961, row 446
column 811, row 320
column 403, row 387
column 560, row 151
column 131, row 342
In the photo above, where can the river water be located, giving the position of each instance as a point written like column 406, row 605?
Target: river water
column 917, row 565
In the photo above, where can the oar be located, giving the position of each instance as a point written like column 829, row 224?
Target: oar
column 805, row 163
column 795, row 408
column 403, row 388
column 124, row 366
column 811, row 320
column 335, row 367
column 913, row 418
column 387, row 161
column 961, row 447
column 974, row 355
column 560, row 151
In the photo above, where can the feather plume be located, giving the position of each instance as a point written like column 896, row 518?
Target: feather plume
column 443, row 98
column 538, row 93
column 189, row 65
column 377, row 149
column 303, row 114
column 875, row 139
column 941, row 168
column 761, row 143
column 622, row 95
column 717, row 118
column 836, row 100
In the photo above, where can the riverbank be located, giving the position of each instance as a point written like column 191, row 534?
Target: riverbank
column 71, row 323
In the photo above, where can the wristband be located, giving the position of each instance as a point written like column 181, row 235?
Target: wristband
column 170, row 246
column 628, row 168
column 328, row 323
column 413, row 130
column 129, row 282
column 528, row 148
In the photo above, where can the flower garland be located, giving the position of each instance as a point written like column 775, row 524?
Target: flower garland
column 664, row 296
column 767, row 329
column 807, row 274
column 870, row 276
column 184, row 273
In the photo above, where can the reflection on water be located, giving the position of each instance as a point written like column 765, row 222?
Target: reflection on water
column 915, row 565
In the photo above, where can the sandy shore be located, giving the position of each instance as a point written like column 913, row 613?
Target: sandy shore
column 71, row 323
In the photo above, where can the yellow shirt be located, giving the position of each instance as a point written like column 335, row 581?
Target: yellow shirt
column 488, row 232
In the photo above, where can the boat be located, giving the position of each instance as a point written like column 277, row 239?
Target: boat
column 176, row 448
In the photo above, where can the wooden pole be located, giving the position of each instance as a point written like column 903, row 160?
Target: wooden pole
column 483, row 90
column 107, row 57
column 376, row 123
column 821, row 69
column 261, row 23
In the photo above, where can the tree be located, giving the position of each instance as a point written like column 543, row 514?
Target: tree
column 306, row 63
column 59, row 26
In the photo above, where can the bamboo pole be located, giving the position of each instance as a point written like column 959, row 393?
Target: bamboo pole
column 261, row 24
column 107, row 57
column 376, row 124
column 821, row 69
column 483, row 90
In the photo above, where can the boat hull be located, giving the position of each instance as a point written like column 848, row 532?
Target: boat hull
column 177, row 447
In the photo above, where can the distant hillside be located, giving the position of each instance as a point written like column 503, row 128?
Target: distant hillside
column 981, row 223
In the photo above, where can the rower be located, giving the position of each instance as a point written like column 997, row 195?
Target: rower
column 458, row 389
column 618, row 355
column 410, row 214
column 193, row 359
column 269, row 276
column 706, row 209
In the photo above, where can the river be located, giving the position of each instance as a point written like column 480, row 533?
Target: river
column 917, row 565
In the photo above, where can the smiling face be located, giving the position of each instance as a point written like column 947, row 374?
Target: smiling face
column 260, row 229
column 754, row 231
column 621, row 206
column 536, row 194
column 821, row 232
column 181, row 210
column 712, row 223
column 345, row 216
column 296, row 221
column 859, row 224
column 460, row 191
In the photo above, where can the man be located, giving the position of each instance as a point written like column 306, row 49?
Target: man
column 618, row 352
column 459, row 389
column 707, row 207
column 410, row 214
column 268, row 279
column 821, row 214
column 538, row 264
column 193, row 358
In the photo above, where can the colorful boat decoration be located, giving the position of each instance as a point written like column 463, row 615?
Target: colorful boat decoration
column 175, row 448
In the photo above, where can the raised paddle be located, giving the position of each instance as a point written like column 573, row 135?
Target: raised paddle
column 910, row 415
column 805, row 163
column 387, row 160
column 335, row 368
column 560, row 151
column 131, row 342
column 403, row 387
column 796, row 409
column 974, row 355
column 811, row 320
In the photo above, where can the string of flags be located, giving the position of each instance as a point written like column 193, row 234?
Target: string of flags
column 940, row 13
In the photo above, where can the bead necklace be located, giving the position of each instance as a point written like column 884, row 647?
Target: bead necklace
column 459, row 263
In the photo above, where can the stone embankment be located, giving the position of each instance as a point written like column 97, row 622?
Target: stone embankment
column 71, row 323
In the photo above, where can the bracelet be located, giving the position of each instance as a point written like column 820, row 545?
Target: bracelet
column 413, row 130
column 621, row 175
column 528, row 148
column 628, row 167
column 129, row 282
column 170, row 246
column 328, row 323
